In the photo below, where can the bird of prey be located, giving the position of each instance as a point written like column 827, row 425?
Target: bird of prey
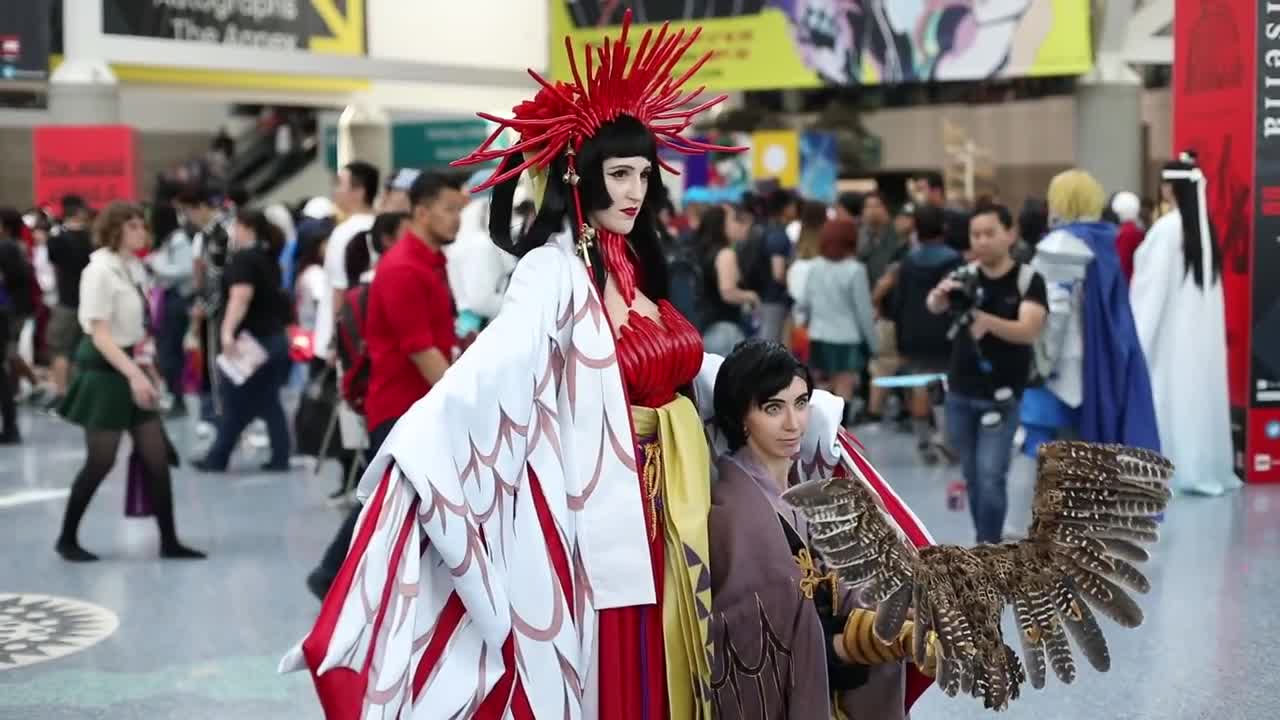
column 1094, row 508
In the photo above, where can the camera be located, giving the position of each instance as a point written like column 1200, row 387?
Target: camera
column 964, row 296
column 963, row 299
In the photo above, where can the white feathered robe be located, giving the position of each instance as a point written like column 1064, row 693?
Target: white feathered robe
column 1182, row 328
column 450, row 575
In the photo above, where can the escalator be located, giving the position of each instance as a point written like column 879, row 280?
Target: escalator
column 281, row 142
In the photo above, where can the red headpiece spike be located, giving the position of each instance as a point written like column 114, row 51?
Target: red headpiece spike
column 637, row 83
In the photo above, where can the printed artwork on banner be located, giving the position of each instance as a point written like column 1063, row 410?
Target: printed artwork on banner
column 96, row 162
column 775, row 155
column 770, row 44
column 1264, row 331
column 1213, row 117
column 819, row 166
column 331, row 27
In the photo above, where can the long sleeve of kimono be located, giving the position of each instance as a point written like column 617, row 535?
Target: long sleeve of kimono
column 1154, row 268
column 483, row 537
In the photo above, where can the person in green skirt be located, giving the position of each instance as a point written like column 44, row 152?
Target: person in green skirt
column 113, row 394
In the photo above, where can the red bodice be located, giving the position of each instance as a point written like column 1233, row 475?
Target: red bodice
column 658, row 358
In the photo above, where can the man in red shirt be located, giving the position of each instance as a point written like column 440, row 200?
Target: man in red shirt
column 410, row 323
column 409, row 330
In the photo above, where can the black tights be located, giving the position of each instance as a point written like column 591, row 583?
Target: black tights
column 151, row 444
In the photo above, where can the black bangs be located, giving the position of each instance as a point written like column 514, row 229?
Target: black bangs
column 621, row 138
column 755, row 371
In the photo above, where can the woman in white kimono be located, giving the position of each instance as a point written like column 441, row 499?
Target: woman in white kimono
column 1178, row 308
column 534, row 541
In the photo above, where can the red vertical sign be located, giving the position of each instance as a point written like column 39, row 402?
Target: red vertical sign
column 1223, row 53
column 96, row 162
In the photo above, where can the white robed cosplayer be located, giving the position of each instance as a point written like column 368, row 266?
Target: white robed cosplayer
column 1182, row 327
column 451, row 577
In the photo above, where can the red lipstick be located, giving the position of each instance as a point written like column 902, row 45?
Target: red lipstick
column 630, row 212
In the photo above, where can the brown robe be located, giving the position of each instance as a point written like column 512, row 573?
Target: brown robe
column 769, row 649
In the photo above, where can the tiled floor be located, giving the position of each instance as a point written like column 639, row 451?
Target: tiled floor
column 201, row 640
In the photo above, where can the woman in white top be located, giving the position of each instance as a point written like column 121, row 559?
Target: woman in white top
column 836, row 305
column 113, row 393
column 311, row 284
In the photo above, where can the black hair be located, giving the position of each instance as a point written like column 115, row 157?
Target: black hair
column 755, row 371
column 310, row 244
column 711, row 234
column 366, row 176
column 72, row 205
column 270, row 238
column 239, row 195
column 851, row 202
column 312, row 235
column 430, row 184
column 1188, row 202
column 934, row 181
column 992, row 208
column 622, row 137
column 931, row 224
column 1109, row 215
column 778, row 201
column 1033, row 220
column 385, row 225
column 11, row 222
column 196, row 194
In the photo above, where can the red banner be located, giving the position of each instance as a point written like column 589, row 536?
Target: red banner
column 1220, row 86
column 96, row 162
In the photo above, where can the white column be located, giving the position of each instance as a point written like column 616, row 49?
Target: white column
column 1108, row 123
column 83, row 90
column 364, row 133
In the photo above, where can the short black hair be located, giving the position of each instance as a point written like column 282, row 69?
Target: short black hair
column 1033, row 221
column 755, row 371
column 992, row 208
column 931, row 223
column 366, row 176
column 72, row 205
column 934, row 181
column 778, row 200
column 851, row 202
column 11, row 222
column 429, row 184
column 196, row 194
column 384, row 226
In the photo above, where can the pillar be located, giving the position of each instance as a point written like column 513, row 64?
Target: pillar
column 83, row 90
column 364, row 133
column 1108, row 122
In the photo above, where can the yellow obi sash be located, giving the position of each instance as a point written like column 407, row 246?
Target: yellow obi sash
column 677, row 471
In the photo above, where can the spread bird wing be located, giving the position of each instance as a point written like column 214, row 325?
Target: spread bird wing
column 1093, row 510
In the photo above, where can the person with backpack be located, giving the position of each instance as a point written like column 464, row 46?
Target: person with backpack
column 763, row 258
column 999, row 307
column 408, row 333
column 923, row 337
column 255, row 311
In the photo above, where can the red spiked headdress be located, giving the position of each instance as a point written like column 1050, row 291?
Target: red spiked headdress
column 563, row 115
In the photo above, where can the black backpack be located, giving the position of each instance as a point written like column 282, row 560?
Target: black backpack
column 920, row 332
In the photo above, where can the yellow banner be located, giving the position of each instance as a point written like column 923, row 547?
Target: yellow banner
column 794, row 44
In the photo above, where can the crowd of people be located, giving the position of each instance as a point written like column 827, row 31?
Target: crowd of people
column 861, row 293
column 559, row 397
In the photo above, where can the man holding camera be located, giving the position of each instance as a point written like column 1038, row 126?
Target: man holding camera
column 999, row 307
